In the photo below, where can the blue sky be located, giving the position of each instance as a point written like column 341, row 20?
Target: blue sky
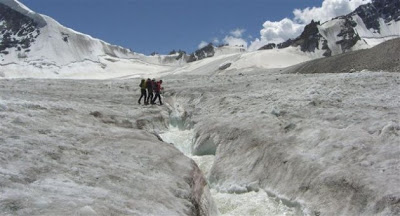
column 162, row 25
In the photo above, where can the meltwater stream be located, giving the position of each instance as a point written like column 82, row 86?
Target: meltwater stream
column 252, row 203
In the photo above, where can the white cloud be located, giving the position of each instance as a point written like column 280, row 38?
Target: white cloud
column 215, row 41
column 235, row 41
column 237, row 32
column 276, row 32
column 280, row 31
column 202, row 44
column 328, row 10
column 257, row 44
column 234, row 38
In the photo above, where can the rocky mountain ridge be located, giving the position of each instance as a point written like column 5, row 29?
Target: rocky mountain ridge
column 378, row 19
column 17, row 31
column 27, row 36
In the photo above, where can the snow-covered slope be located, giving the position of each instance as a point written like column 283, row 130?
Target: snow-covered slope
column 37, row 45
column 367, row 26
column 223, row 63
column 54, row 44
column 212, row 51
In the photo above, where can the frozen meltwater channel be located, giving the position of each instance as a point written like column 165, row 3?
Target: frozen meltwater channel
column 252, row 203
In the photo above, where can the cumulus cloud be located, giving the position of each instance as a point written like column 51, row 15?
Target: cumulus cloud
column 279, row 31
column 237, row 32
column 328, row 10
column 235, row 41
column 202, row 44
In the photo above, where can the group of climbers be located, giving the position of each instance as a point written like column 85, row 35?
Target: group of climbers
column 147, row 88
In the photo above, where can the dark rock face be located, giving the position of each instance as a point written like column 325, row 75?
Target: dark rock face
column 65, row 37
column 205, row 52
column 181, row 54
column 285, row 44
column 268, row 46
column 349, row 35
column 388, row 10
column 17, row 30
column 308, row 41
column 310, row 38
column 370, row 13
column 325, row 46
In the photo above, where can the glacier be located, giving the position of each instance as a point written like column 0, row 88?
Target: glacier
column 268, row 127
column 317, row 140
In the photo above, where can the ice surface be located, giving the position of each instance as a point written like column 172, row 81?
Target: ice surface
column 252, row 203
column 80, row 148
column 229, row 202
column 182, row 139
column 328, row 142
column 320, row 140
column 316, row 140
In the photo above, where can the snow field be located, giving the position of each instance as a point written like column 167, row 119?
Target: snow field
column 106, row 67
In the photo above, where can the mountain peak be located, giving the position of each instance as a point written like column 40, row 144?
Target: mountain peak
column 25, row 11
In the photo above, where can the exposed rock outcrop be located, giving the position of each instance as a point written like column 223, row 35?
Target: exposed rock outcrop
column 205, row 52
column 16, row 30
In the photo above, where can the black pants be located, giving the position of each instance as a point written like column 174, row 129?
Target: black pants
column 143, row 95
column 150, row 97
column 155, row 98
